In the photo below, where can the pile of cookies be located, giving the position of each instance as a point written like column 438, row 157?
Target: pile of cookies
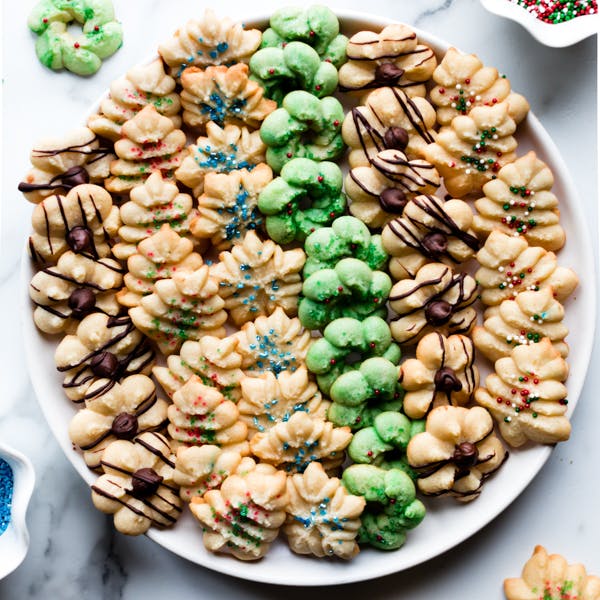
column 232, row 309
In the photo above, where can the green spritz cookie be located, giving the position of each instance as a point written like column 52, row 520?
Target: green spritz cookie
column 347, row 237
column 56, row 48
column 392, row 508
column 295, row 67
column 316, row 26
column 302, row 181
column 304, row 127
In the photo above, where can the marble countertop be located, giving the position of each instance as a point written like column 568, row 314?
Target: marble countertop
column 74, row 551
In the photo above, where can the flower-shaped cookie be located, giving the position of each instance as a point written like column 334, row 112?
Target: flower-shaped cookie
column 143, row 85
column 156, row 202
column 149, row 142
column 159, row 256
column 227, row 209
column 223, row 95
column 304, row 127
column 443, row 372
column 316, row 25
column 73, row 288
column 392, row 508
column 293, row 444
column 473, row 148
column 209, row 41
column 220, row 151
column 526, row 319
column 388, row 120
column 137, row 486
column 435, row 299
column 243, row 517
column 201, row 415
column 509, row 265
column 323, row 518
column 456, row 453
column 103, row 351
column 392, row 57
column 550, row 577
column 307, row 196
column 256, row 277
column 185, row 307
column 60, row 164
column 430, row 229
column 464, row 83
column 202, row 468
column 526, row 395
column 122, row 412
column 83, row 221
column 385, row 186
column 520, row 202
column 267, row 400
column 296, row 66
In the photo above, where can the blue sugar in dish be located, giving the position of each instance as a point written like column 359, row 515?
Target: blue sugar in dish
column 6, row 494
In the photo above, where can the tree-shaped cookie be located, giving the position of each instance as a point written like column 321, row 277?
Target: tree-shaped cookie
column 383, row 188
column 392, row 508
column 256, row 277
column 201, row 415
column 520, row 202
column 60, row 164
column 293, row 444
column 429, row 229
column 149, row 142
column 143, row 85
column 443, row 372
column 84, row 221
column 221, row 150
column 509, row 266
column 463, row 83
column 124, row 411
column 76, row 286
column 209, row 41
column 137, row 485
column 456, row 453
column 388, row 120
column 156, row 202
column 526, row 319
column 243, row 517
column 323, row 518
column 472, row 149
column 526, row 395
column 267, row 400
column 392, row 57
column 223, row 95
column 103, row 351
column 550, row 577
column 227, row 209
column 436, row 299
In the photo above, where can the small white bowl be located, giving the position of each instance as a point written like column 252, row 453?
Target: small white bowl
column 556, row 35
column 14, row 542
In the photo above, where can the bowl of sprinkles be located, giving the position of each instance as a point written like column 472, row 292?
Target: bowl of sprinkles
column 556, row 23
column 17, row 478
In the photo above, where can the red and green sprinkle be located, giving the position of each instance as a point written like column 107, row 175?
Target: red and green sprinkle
column 558, row 11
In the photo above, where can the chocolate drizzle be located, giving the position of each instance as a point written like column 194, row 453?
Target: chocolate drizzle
column 69, row 179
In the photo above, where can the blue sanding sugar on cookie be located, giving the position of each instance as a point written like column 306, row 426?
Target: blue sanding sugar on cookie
column 6, row 493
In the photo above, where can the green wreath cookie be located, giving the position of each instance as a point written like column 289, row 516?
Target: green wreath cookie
column 304, row 127
column 302, row 180
column 392, row 508
column 57, row 48
column 350, row 289
column 316, row 26
column 297, row 66
column 347, row 237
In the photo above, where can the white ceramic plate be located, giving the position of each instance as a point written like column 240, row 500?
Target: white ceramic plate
column 447, row 522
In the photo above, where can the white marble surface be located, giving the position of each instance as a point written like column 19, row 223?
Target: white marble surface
column 74, row 552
